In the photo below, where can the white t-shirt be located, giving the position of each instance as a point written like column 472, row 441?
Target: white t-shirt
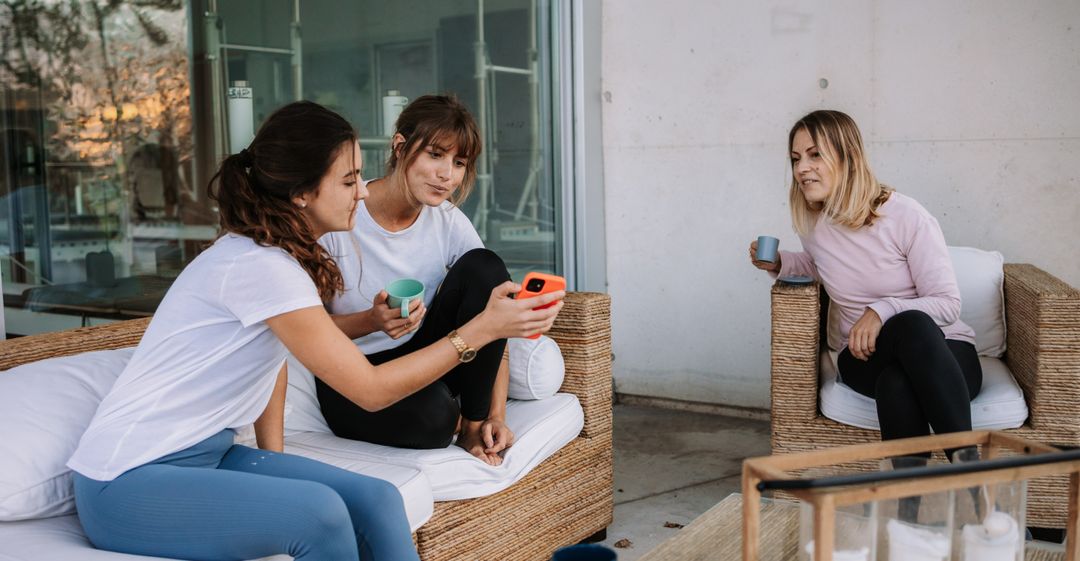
column 206, row 363
column 370, row 257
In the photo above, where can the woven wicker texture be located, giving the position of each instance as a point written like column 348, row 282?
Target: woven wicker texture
column 569, row 496
column 583, row 332
column 717, row 535
column 1042, row 315
column 562, row 501
column 22, row 350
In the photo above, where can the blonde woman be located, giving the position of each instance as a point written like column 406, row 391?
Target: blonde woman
column 882, row 259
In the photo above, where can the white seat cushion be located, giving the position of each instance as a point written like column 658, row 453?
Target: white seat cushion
column 541, row 428
column 999, row 405
column 411, row 483
column 61, row 539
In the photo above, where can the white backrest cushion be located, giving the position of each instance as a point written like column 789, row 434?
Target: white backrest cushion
column 536, row 367
column 302, row 411
column 980, row 275
column 45, row 407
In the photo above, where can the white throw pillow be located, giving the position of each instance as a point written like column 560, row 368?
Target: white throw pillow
column 536, row 367
column 980, row 275
column 45, row 407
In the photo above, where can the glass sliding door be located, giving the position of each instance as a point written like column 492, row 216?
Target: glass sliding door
column 495, row 56
column 113, row 117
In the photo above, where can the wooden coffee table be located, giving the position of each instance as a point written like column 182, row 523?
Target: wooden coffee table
column 717, row 535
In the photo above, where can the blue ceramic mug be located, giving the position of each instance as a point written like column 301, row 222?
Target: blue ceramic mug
column 766, row 249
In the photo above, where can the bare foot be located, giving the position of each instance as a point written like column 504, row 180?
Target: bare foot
column 471, row 438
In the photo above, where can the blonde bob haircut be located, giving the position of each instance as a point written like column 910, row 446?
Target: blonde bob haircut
column 442, row 122
column 856, row 194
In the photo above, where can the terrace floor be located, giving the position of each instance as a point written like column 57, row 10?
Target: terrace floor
column 670, row 467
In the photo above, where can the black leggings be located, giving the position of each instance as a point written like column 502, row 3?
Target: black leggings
column 427, row 418
column 919, row 378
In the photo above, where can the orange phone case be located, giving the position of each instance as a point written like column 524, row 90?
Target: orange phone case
column 552, row 283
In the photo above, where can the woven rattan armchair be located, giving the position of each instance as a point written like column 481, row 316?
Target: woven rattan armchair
column 564, row 500
column 1042, row 318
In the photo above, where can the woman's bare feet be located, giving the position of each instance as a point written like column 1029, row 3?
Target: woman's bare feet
column 471, row 438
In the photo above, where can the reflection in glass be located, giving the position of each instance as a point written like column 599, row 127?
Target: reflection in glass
column 114, row 115
column 96, row 151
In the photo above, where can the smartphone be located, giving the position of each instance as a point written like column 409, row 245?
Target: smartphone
column 536, row 284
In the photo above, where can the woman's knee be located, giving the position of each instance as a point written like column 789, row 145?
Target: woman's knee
column 914, row 319
column 913, row 325
column 370, row 494
column 323, row 508
column 483, row 266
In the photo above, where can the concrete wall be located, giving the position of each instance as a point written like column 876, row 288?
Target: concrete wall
column 969, row 106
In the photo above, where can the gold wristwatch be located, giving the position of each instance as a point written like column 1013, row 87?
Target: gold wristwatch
column 465, row 352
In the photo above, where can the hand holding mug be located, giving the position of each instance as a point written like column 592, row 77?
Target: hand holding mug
column 389, row 320
column 764, row 254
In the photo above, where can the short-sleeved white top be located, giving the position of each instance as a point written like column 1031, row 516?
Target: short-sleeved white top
column 370, row 257
column 207, row 361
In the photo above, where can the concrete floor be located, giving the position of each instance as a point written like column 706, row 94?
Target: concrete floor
column 670, row 467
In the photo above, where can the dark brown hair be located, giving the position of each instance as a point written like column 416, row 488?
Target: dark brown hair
column 440, row 120
column 254, row 189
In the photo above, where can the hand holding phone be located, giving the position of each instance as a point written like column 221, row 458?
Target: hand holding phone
column 536, row 284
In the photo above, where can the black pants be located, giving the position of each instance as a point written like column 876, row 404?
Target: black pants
column 427, row 418
column 919, row 378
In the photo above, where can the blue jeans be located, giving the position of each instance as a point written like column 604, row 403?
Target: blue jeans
column 219, row 501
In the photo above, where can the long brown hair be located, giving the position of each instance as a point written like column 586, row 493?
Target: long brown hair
column 444, row 121
column 254, row 189
column 857, row 194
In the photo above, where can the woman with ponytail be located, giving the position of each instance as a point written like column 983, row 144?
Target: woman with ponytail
column 410, row 226
column 156, row 473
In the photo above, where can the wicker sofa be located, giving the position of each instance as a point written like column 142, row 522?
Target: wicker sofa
column 565, row 499
column 1042, row 315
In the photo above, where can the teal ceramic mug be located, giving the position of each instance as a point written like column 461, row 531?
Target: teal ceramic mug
column 402, row 292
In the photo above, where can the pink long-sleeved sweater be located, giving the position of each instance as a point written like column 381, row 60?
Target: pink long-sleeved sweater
column 898, row 263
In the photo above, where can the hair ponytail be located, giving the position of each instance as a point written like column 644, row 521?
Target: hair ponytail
column 254, row 189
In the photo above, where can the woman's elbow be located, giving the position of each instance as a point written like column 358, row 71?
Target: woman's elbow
column 950, row 310
column 371, row 404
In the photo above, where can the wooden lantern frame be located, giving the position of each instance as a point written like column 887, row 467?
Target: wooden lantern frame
column 826, row 494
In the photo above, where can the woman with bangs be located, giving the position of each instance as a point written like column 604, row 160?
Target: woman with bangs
column 410, row 226
column 883, row 261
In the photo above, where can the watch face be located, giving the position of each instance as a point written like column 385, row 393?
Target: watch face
column 467, row 355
